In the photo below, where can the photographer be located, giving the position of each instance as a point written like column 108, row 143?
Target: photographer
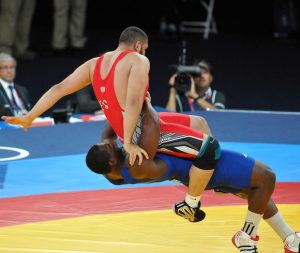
column 190, row 89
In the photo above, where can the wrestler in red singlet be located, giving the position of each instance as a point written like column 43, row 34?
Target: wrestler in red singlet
column 105, row 92
column 175, row 139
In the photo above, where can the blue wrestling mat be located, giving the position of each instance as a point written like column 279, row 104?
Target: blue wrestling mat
column 69, row 173
column 55, row 158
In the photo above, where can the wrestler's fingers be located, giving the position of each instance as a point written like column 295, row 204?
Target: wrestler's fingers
column 6, row 118
column 145, row 154
column 132, row 159
column 11, row 120
column 140, row 155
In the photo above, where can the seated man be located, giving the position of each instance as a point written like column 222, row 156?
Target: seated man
column 14, row 98
column 235, row 173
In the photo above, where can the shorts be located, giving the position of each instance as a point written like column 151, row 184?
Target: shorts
column 176, row 136
column 233, row 172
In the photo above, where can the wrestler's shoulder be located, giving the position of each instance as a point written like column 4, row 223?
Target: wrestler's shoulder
column 137, row 57
column 92, row 62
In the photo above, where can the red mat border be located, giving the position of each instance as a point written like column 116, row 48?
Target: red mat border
column 44, row 207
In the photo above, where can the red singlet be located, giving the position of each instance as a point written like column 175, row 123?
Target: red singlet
column 105, row 93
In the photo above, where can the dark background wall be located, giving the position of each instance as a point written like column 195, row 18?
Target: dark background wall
column 253, row 69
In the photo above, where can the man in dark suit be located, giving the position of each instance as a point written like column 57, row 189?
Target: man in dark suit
column 14, row 99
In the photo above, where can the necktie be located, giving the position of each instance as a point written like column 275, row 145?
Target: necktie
column 13, row 99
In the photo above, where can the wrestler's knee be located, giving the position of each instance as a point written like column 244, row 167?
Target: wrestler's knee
column 209, row 154
column 264, row 176
column 199, row 124
column 270, row 175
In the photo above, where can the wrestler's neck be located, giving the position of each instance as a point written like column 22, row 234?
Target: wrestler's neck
column 124, row 47
column 114, row 176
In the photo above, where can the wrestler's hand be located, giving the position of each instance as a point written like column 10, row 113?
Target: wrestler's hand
column 22, row 120
column 193, row 214
column 135, row 151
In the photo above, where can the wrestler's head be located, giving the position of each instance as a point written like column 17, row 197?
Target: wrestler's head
column 136, row 38
column 105, row 159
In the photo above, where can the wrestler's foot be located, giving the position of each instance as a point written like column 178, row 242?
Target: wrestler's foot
column 292, row 243
column 244, row 242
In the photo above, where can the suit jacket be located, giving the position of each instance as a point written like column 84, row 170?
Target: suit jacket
column 5, row 103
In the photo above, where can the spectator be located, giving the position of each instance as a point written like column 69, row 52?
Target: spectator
column 200, row 95
column 13, row 98
column 15, row 23
column 86, row 102
column 69, row 24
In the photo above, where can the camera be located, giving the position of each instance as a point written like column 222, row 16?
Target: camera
column 193, row 70
column 182, row 83
column 185, row 72
column 183, row 80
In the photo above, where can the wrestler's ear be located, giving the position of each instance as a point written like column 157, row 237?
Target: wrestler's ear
column 112, row 161
column 138, row 46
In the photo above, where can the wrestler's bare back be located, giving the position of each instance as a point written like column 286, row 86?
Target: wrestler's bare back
column 121, row 74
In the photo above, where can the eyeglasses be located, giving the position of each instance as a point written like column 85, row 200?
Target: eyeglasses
column 6, row 68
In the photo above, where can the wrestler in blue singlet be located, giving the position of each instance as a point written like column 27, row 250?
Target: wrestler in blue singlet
column 233, row 172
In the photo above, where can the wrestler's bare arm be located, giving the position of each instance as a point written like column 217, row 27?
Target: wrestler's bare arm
column 80, row 78
column 136, row 86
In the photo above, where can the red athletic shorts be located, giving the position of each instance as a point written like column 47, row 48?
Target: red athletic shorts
column 177, row 138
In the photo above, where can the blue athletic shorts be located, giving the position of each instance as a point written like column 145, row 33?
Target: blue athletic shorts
column 233, row 172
